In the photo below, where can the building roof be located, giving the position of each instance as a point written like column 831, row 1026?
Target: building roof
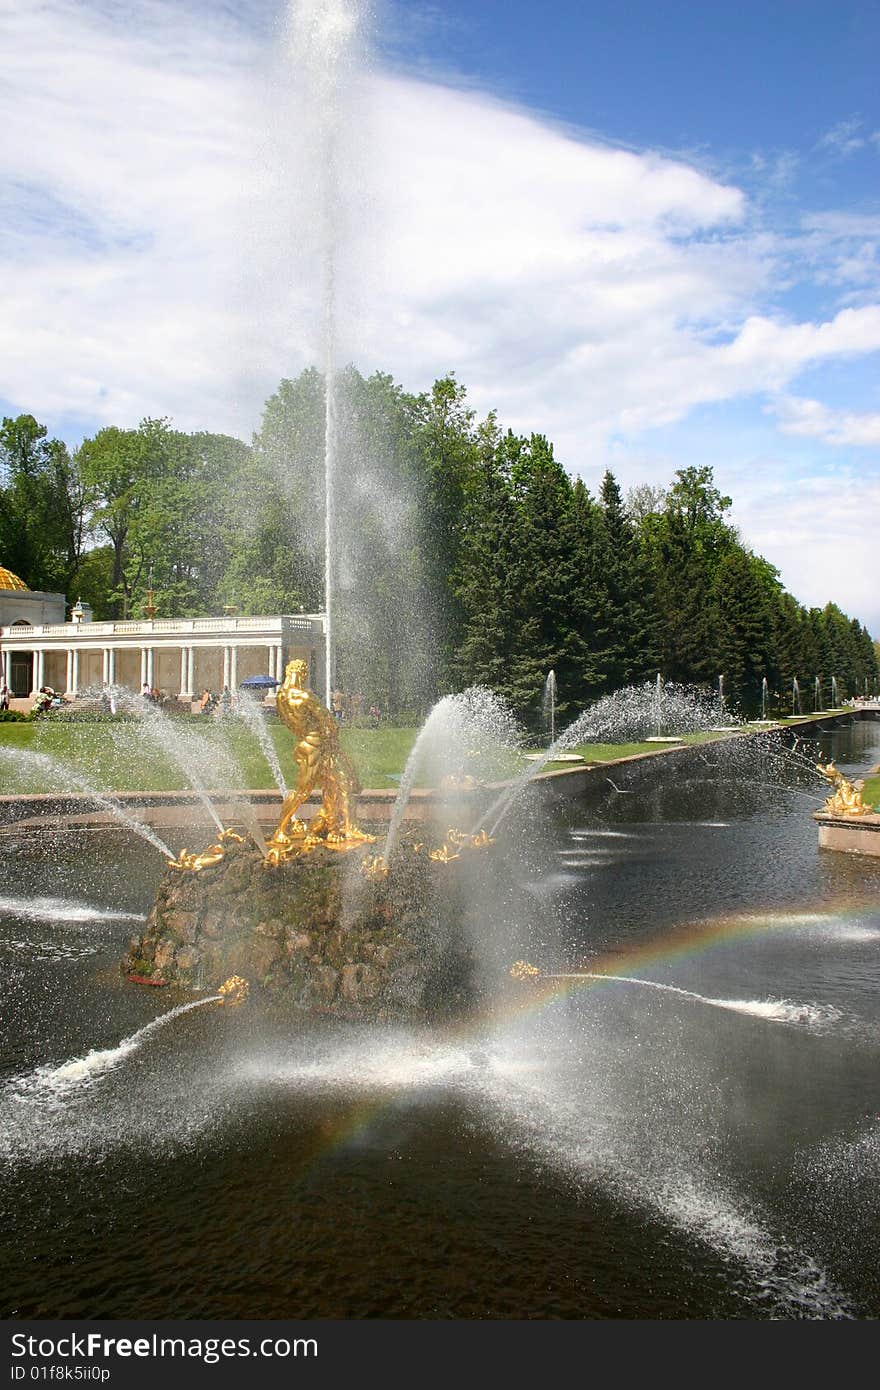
column 8, row 580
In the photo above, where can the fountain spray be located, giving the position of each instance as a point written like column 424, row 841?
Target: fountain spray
column 324, row 46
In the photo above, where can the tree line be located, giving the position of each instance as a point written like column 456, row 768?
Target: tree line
column 465, row 553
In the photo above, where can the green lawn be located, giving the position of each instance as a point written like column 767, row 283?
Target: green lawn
column 871, row 791
column 126, row 756
column 123, row 756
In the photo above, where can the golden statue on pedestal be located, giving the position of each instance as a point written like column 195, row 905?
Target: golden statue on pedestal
column 847, row 799
column 320, row 762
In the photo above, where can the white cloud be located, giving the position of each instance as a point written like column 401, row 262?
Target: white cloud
column 820, row 532
column 812, row 419
column 163, row 229
column 844, row 138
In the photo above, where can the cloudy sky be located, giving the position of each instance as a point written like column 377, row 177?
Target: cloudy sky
column 648, row 231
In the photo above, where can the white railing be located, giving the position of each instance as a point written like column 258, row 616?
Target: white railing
column 179, row 627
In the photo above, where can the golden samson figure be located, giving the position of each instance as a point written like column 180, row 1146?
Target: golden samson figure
column 320, row 762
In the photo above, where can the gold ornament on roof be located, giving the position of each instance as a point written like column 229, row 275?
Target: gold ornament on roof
column 8, row 580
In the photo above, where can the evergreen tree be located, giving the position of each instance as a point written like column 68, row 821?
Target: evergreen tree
column 744, row 627
column 630, row 653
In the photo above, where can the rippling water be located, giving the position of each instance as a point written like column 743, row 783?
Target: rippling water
column 683, row 1123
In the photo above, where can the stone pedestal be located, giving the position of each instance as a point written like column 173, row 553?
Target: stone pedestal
column 320, row 933
column 856, row 835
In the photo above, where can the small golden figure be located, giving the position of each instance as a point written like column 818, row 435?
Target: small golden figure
column 456, row 841
column 444, row 854
column 212, row 855
column 320, row 762
column 847, row 799
column 375, row 866
column 235, row 990
column 522, row 970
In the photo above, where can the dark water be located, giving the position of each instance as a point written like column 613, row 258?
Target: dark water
column 696, row 1137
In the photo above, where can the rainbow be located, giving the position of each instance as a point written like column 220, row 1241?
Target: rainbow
column 681, row 943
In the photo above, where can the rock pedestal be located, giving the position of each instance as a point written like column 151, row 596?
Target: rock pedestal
column 316, row 930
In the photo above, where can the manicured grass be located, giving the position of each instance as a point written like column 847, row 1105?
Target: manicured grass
column 607, row 752
column 126, row 756
column 379, row 754
column 871, row 791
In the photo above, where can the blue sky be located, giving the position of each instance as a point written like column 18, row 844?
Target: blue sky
column 648, row 231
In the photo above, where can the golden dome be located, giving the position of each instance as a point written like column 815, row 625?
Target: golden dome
column 8, row 580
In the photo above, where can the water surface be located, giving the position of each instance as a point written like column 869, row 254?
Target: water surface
column 693, row 1134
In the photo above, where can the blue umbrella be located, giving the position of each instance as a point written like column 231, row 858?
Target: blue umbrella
column 259, row 683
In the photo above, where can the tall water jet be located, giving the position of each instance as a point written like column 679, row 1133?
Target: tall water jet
column 835, row 697
column 548, row 704
column 324, row 45
column 817, row 695
column 795, row 697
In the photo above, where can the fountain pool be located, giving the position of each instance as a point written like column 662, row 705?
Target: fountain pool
column 694, row 1134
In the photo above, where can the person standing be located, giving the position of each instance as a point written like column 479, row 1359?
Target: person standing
column 4, row 695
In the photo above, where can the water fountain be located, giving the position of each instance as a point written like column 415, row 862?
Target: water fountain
column 835, row 697
column 722, row 727
column 657, row 736
column 548, row 704
column 765, row 690
column 796, row 708
column 672, row 1116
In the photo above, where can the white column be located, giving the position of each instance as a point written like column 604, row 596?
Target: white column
column 111, row 666
column 150, row 667
column 41, row 669
column 279, row 663
column 183, row 671
column 225, row 666
column 105, row 666
column 233, row 668
column 143, row 665
column 190, row 671
column 69, row 678
column 74, row 687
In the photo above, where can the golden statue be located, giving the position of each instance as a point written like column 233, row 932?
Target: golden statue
column 212, row 855
column 235, row 990
column 523, row 970
column 847, row 799
column 320, row 762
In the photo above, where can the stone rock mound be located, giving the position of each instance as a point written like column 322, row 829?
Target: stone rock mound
column 316, row 930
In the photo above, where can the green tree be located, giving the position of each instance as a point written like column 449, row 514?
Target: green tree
column 620, row 569
column 42, row 506
column 744, row 627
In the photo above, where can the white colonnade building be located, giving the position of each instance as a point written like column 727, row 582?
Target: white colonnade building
column 180, row 657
